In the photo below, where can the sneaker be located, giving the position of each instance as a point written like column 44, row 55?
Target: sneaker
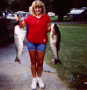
column 34, row 84
column 40, row 83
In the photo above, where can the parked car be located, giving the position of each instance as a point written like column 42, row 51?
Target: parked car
column 76, row 14
column 2, row 14
column 22, row 13
column 11, row 16
column 7, row 24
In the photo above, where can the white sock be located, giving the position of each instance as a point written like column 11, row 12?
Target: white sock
column 34, row 78
column 38, row 78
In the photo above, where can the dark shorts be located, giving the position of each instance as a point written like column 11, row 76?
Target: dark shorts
column 39, row 47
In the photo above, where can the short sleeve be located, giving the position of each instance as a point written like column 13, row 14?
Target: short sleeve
column 27, row 20
column 48, row 19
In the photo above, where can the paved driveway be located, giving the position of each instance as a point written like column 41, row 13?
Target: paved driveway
column 14, row 76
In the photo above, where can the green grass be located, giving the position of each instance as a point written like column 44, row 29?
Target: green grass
column 73, row 52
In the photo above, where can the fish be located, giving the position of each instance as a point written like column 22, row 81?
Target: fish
column 19, row 37
column 55, row 39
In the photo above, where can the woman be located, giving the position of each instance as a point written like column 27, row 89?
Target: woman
column 37, row 38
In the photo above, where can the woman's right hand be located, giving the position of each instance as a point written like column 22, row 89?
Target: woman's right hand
column 22, row 24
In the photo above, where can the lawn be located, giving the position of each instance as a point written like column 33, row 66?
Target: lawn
column 73, row 53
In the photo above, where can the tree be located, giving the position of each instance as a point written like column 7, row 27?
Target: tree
column 18, row 5
column 3, row 5
column 61, row 7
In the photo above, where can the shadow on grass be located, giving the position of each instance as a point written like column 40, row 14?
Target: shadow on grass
column 73, row 55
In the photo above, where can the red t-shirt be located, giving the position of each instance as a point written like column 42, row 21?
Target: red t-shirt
column 38, row 28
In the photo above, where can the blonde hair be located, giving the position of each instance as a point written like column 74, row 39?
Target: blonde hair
column 38, row 3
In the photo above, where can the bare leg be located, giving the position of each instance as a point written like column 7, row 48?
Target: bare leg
column 33, row 62
column 40, row 59
column 33, row 69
